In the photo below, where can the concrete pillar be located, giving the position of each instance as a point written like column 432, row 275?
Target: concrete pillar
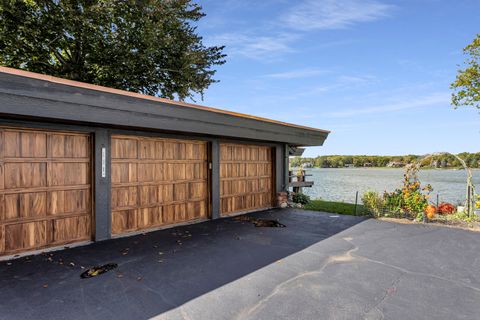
column 215, row 174
column 102, row 184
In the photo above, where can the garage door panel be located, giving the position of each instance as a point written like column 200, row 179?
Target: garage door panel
column 149, row 172
column 44, row 186
column 124, row 148
column 246, row 178
column 149, row 217
column 2, row 238
column 22, row 144
column 25, row 205
column 180, row 192
column 171, row 174
column 124, row 221
column 69, row 201
column 150, row 149
column 68, row 173
column 123, row 172
column 25, row 175
column 124, row 197
column 71, row 229
column 181, row 212
column 195, row 152
column 168, row 195
column 174, row 150
column 197, row 190
column 169, row 214
column 149, row 195
column 25, row 236
column 68, row 146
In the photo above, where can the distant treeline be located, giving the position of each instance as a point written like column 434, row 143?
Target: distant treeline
column 438, row 161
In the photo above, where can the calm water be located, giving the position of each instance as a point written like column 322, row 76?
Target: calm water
column 341, row 184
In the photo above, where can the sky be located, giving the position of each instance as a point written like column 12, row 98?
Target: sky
column 376, row 73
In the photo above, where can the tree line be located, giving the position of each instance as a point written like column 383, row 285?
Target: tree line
column 339, row 161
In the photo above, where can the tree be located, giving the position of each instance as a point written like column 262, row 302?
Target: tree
column 467, row 83
column 148, row 46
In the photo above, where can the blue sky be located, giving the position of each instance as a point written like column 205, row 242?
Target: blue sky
column 376, row 73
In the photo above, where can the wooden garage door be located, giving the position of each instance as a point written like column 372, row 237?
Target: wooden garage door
column 156, row 182
column 45, row 192
column 246, row 178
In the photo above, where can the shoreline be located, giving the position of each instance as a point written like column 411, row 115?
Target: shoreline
column 388, row 168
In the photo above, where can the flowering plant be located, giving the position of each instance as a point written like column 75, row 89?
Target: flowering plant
column 446, row 208
column 412, row 198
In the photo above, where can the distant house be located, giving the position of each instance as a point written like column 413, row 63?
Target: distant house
column 395, row 164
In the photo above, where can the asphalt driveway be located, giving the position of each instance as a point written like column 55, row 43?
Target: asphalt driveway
column 321, row 266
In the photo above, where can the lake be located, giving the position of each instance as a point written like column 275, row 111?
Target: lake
column 341, row 184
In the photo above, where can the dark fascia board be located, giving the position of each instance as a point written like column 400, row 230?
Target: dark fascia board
column 296, row 151
column 30, row 97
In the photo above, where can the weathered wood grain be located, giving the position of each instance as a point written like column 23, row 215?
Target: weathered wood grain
column 157, row 181
column 45, row 189
column 246, row 178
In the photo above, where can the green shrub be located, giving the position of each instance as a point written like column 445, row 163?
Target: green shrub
column 301, row 198
column 373, row 203
column 393, row 201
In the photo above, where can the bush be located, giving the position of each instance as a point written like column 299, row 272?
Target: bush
column 373, row 203
column 393, row 201
column 301, row 198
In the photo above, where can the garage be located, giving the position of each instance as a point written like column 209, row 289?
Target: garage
column 81, row 162
column 45, row 189
column 246, row 178
column 157, row 182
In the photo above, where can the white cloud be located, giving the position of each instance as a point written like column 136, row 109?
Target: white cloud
column 425, row 101
column 269, row 41
column 254, row 46
column 295, row 74
column 334, row 14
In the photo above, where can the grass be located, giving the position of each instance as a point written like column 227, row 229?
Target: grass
column 335, row 207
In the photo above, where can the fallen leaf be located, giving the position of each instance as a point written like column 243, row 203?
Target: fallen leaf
column 45, row 285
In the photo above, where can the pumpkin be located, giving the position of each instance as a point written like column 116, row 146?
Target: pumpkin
column 430, row 211
column 446, row 208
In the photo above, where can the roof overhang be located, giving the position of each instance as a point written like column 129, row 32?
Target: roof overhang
column 34, row 96
column 295, row 151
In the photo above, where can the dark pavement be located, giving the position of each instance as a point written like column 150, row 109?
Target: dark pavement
column 321, row 266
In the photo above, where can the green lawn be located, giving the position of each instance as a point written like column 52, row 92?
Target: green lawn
column 335, row 207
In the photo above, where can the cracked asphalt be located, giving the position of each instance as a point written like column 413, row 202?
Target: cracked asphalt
column 321, row 266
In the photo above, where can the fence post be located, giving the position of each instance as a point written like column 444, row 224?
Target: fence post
column 437, row 203
column 469, row 201
column 356, row 203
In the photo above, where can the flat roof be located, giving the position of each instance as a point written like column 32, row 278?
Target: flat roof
column 40, row 86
